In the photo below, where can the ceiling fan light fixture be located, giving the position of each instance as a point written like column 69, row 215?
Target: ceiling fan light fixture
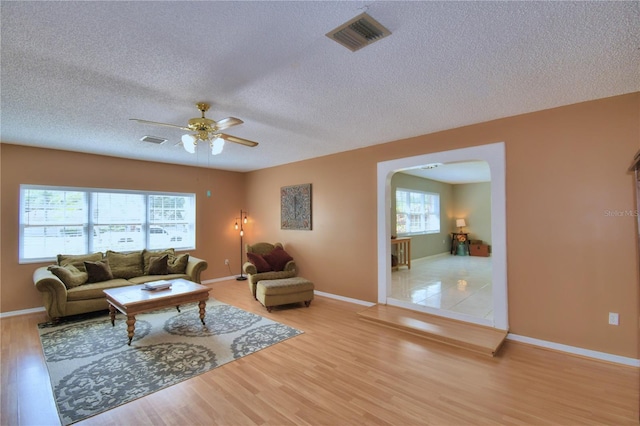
column 203, row 129
column 217, row 145
column 189, row 143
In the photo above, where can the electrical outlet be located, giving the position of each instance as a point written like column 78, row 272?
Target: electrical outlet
column 614, row 318
column 226, row 261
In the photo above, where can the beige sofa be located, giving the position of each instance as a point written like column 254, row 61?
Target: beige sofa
column 73, row 286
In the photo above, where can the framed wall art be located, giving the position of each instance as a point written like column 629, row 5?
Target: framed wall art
column 295, row 207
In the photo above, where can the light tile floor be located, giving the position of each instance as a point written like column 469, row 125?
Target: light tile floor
column 460, row 284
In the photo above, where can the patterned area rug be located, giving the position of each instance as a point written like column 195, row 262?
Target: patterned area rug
column 92, row 369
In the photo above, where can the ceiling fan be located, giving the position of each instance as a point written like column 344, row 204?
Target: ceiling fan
column 205, row 130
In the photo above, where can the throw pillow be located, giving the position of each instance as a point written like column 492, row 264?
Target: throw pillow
column 148, row 254
column 178, row 264
column 260, row 263
column 98, row 271
column 78, row 260
column 69, row 275
column 125, row 265
column 278, row 258
column 159, row 265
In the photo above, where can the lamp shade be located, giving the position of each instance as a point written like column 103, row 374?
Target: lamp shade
column 217, row 145
column 460, row 223
column 189, row 143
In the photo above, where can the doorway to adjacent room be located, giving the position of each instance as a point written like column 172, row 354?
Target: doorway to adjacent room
column 493, row 154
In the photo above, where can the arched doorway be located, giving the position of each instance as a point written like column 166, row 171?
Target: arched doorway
column 494, row 155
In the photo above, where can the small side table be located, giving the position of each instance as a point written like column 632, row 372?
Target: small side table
column 455, row 241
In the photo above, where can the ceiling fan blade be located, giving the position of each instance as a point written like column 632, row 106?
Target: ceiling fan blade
column 155, row 123
column 225, row 123
column 234, row 139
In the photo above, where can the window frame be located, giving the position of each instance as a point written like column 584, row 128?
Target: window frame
column 424, row 219
column 89, row 223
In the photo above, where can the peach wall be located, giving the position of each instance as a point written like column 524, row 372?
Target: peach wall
column 569, row 261
column 216, row 238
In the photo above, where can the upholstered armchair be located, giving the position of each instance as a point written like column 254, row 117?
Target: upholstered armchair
column 266, row 261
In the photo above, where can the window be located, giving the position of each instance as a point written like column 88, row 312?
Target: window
column 417, row 212
column 57, row 220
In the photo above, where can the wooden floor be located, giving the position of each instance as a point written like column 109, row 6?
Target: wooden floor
column 344, row 371
column 484, row 340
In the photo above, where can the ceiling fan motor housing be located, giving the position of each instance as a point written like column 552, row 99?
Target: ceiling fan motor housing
column 202, row 124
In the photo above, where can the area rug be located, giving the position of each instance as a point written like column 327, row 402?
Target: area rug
column 92, row 369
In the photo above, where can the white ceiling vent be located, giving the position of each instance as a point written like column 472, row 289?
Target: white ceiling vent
column 359, row 32
column 153, row 139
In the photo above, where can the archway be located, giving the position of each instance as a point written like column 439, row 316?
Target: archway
column 494, row 155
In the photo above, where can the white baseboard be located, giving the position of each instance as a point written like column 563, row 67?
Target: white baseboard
column 342, row 298
column 22, row 312
column 217, row 280
column 603, row 356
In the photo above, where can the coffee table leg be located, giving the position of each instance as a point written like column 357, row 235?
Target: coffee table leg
column 202, row 305
column 131, row 326
column 112, row 314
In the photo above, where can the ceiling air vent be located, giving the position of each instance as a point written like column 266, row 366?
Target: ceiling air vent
column 153, row 139
column 359, row 32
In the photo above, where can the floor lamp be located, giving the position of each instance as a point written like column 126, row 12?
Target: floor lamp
column 243, row 220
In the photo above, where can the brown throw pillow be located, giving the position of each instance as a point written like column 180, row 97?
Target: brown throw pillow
column 78, row 260
column 277, row 259
column 259, row 262
column 69, row 275
column 178, row 264
column 159, row 265
column 148, row 254
column 98, row 271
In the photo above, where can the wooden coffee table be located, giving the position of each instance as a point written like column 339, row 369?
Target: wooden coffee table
column 133, row 300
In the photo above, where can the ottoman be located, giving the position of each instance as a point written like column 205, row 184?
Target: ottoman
column 284, row 291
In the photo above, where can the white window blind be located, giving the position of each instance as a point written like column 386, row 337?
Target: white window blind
column 118, row 221
column 57, row 220
column 417, row 212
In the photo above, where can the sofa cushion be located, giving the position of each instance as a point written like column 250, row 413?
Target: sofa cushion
column 259, row 262
column 69, row 275
column 77, row 260
column 285, row 286
column 150, row 278
column 125, row 265
column 272, row 275
column 177, row 264
column 277, row 259
column 95, row 290
column 98, row 271
column 148, row 254
column 158, row 265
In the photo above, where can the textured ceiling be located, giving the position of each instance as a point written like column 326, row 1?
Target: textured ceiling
column 73, row 72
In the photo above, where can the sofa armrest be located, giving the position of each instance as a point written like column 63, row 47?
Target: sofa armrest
column 54, row 292
column 249, row 268
column 290, row 266
column 195, row 268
